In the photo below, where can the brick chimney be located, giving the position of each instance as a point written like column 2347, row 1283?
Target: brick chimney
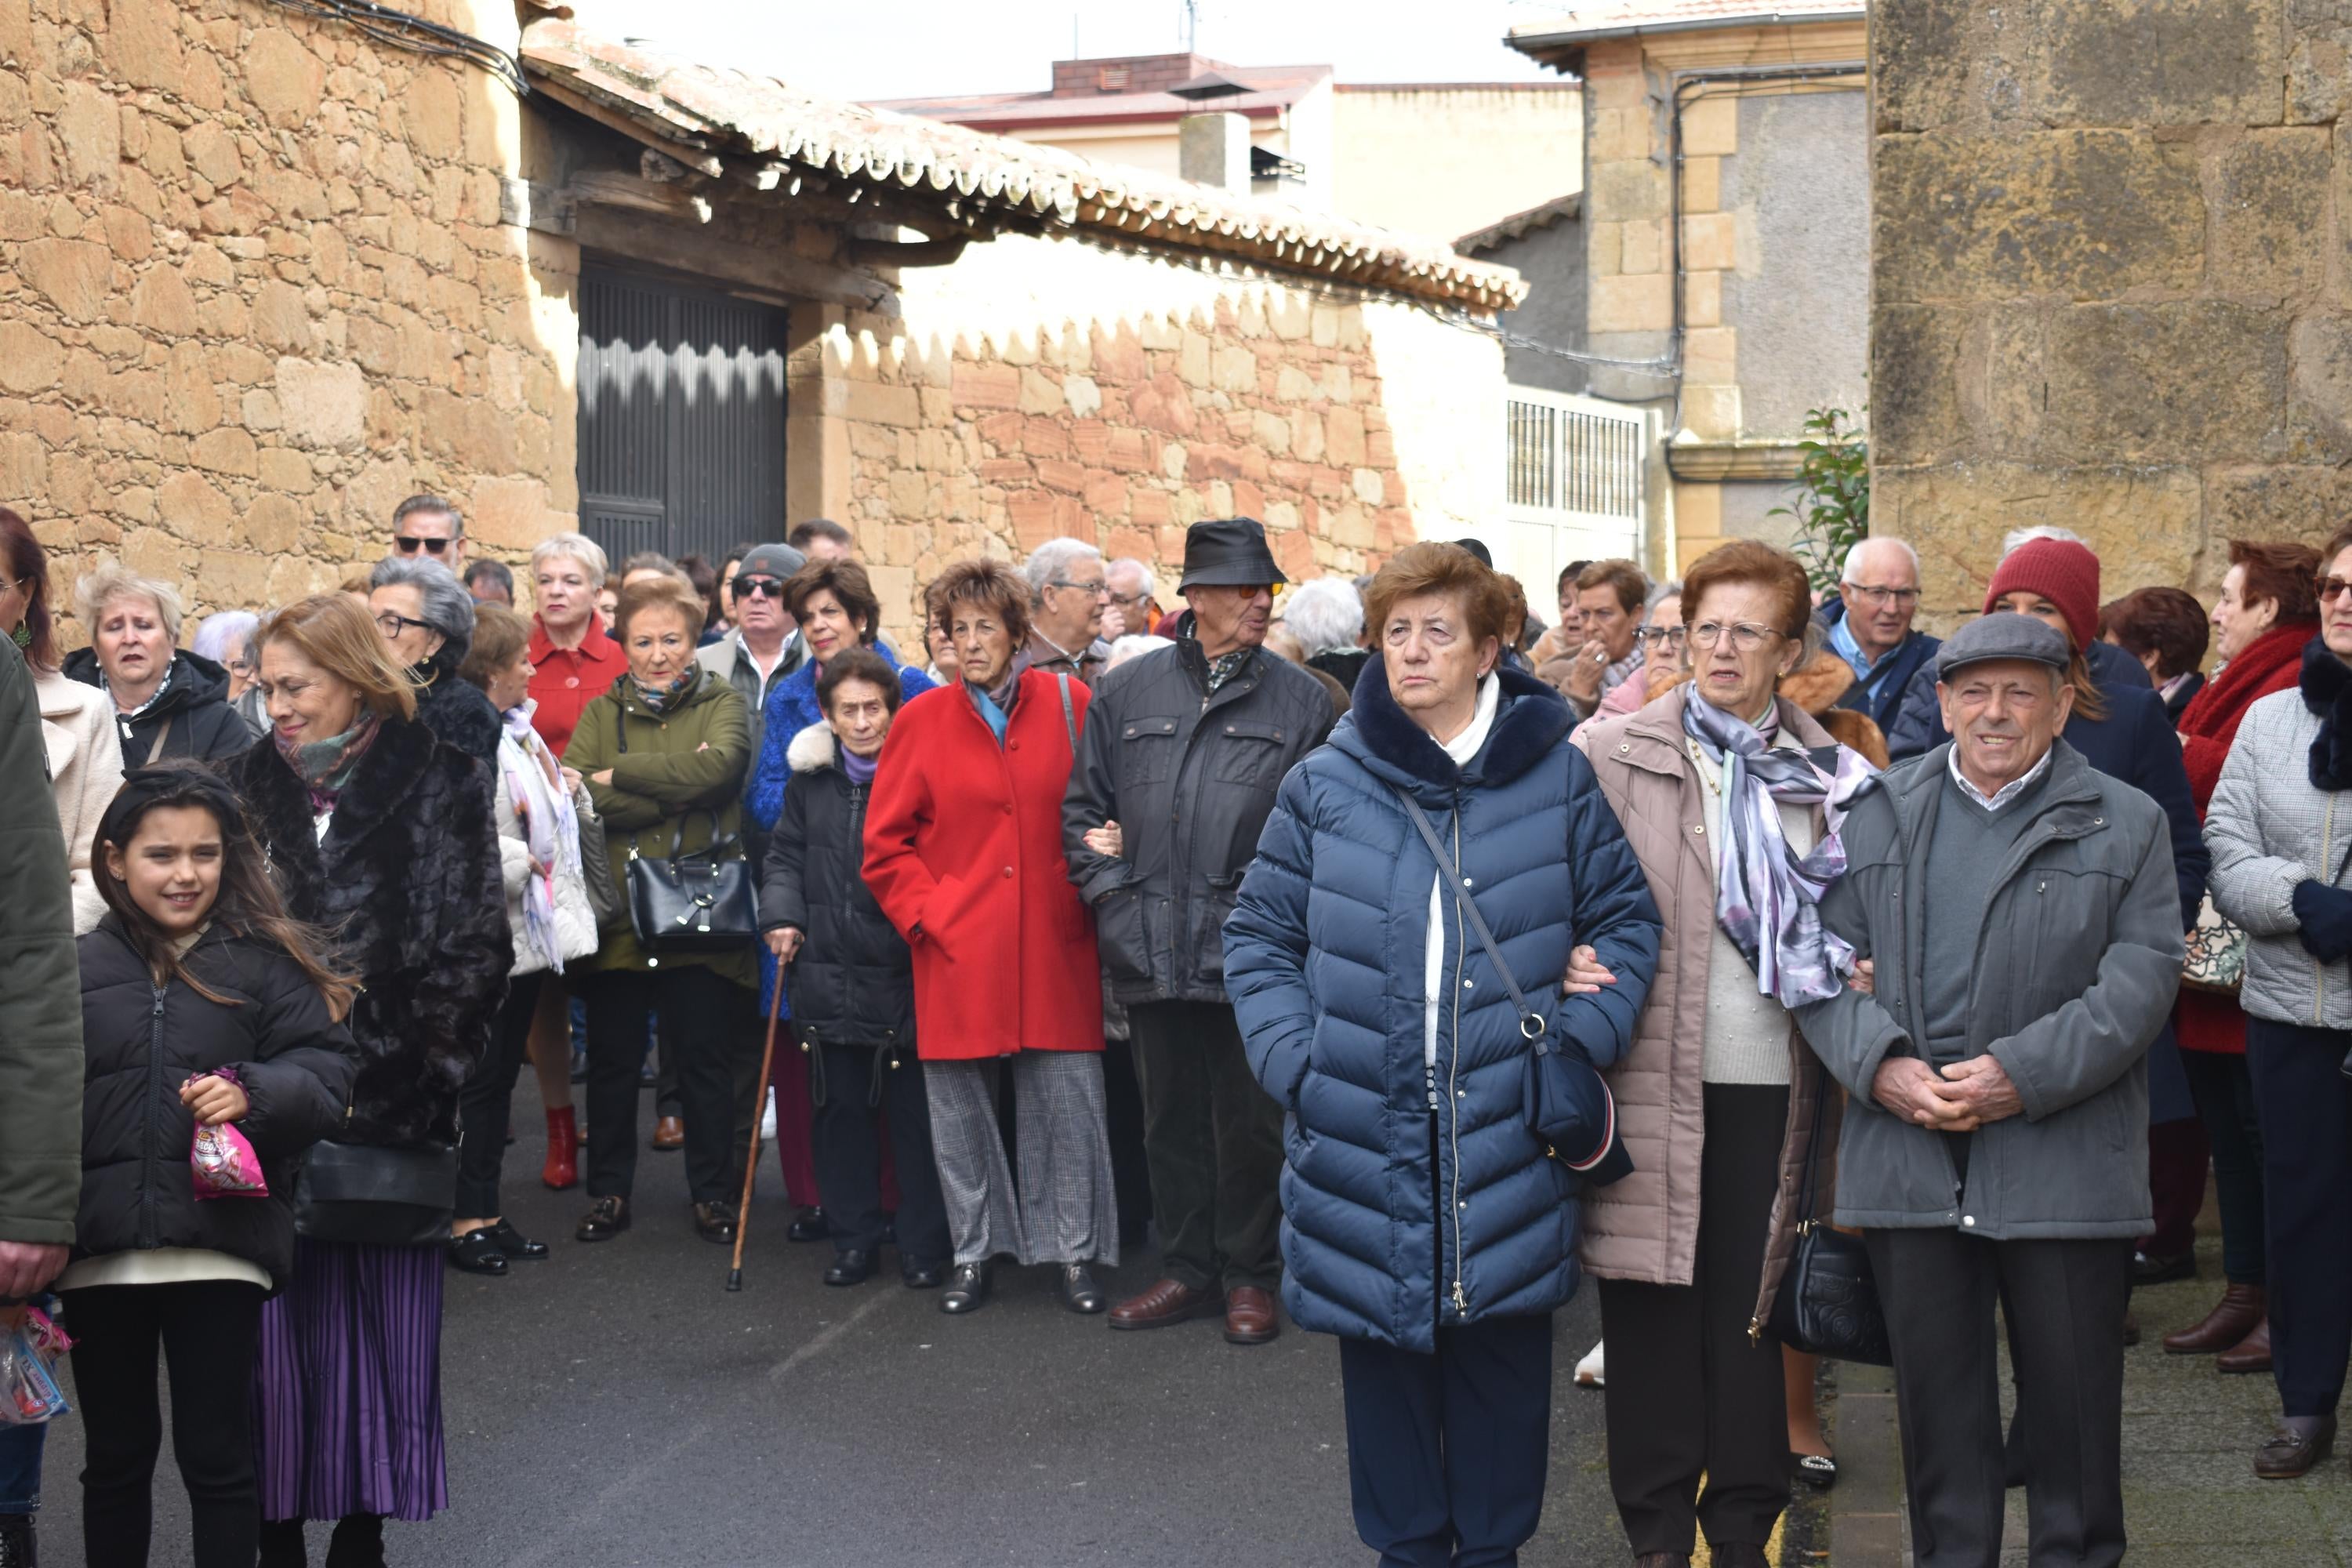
column 1127, row 73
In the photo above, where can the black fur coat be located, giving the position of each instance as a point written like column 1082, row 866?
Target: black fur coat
column 407, row 883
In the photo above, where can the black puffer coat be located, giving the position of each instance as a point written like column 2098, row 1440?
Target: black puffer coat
column 1190, row 776
column 853, row 983
column 141, row 1041
column 195, row 702
column 407, row 882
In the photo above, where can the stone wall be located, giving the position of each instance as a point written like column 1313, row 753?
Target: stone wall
column 1041, row 388
column 253, row 290
column 2109, row 290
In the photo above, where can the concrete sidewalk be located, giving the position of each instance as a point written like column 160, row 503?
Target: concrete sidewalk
column 2190, row 1497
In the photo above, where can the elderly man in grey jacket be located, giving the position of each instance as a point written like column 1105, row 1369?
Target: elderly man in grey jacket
column 2019, row 913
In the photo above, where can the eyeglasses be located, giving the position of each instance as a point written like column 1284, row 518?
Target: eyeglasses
column 1746, row 637
column 2332, row 589
column 1099, row 590
column 758, row 588
column 1663, row 636
column 1902, row 597
column 1127, row 601
column 410, row 544
column 390, row 623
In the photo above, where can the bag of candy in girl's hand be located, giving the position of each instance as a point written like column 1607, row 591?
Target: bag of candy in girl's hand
column 28, row 1381
column 223, row 1161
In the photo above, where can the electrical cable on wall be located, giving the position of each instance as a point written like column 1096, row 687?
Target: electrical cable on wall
column 401, row 30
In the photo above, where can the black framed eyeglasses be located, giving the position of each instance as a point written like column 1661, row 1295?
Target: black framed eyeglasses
column 757, row 588
column 391, row 622
column 410, row 544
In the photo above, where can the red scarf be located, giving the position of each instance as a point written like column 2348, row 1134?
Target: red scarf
column 2211, row 721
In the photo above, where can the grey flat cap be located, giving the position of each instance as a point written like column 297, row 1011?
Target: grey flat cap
column 777, row 560
column 2003, row 635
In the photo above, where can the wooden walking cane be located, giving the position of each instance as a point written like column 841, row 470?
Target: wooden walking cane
column 759, row 1114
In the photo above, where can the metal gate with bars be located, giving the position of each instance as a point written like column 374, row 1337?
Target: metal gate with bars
column 1573, row 484
column 681, row 444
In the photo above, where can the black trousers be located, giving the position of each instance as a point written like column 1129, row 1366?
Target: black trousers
column 2306, row 1103
column 1131, row 1170
column 207, row 1330
column 1447, row 1452
column 483, row 1104
column 2224, row 1092
column 843, row 1092
column 710, row 1012
column 1213, row 1140
column 1689, row 1394
column 2060, row 1301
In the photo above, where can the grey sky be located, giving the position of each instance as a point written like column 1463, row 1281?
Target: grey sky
column 903, row 49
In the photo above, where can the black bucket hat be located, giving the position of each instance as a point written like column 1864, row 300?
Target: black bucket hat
column 1228, row 551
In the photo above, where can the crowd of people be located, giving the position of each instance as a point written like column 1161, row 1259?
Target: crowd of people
column 1366, row 951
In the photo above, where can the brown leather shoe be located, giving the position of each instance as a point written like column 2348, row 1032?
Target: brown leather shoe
column 1249, row 1316
column 669, row 1133
column 1165, row 1303
column 2231, row 1320
column 2300, row 1442
column 2251, row 1354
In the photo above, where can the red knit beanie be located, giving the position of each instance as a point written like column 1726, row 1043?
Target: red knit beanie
column 2061, row 570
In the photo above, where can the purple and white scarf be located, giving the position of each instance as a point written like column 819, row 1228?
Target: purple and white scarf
column 550, row 827
column 1762, row 886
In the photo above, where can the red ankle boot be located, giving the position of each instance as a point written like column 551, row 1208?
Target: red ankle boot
column 563, row 1169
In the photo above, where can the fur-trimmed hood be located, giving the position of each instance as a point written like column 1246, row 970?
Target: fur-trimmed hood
column 1529, row 720
column 812, row 749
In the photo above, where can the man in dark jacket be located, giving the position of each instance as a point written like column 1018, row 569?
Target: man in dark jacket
column 40, row 1057
column 1996, row 1145
column 1183, row 750
column 1869, row 621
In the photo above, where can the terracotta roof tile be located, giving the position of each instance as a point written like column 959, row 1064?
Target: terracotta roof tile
column 1616, row 18
column 728, row 114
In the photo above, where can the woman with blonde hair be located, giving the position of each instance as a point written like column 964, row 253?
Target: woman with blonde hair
column 167, row 703
column 382, row 834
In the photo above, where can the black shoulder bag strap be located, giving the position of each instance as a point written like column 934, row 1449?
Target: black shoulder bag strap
column 1531, row 1022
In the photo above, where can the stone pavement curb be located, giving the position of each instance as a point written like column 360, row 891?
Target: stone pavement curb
column 1867, row 1509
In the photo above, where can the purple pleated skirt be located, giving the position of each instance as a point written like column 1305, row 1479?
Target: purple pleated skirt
column 347, row 1385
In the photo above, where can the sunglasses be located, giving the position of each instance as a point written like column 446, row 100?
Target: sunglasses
column 410, row 544
column 757, row 588
column 2332, row 589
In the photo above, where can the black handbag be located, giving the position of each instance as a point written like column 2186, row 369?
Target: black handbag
column 380, row 1197
column 690, row 902
column 1567, row 1105
column 1828, row 1303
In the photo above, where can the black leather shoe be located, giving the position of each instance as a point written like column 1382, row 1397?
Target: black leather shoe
column 2300, row 1442
column 850, row 1268
column 1817, row 1472
column 477, row 1252
column 1079, row 1292
column 809, row 1224
column 2157, row 1268
column 715, row 1222
column 516, row 1245
column 918, row 1275
column 605, row 1218
column 966, row 1289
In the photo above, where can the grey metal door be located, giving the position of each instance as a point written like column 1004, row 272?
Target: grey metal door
column 681, row 418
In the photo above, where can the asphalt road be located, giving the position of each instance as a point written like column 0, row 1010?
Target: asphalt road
column 615, row 1406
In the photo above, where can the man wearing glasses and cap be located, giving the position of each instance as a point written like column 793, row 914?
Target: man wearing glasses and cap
column 426, row 528
column 763, row 646
column 1177, row 770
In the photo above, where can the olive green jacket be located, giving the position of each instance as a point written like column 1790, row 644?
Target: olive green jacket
column 40, row 984
column 681, row 774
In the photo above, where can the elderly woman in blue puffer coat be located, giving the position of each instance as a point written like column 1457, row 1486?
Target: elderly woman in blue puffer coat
column 1427, row 1224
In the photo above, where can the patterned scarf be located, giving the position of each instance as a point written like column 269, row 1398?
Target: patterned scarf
column 326, row 766
column 1762, row 887
column 664, row 699
column 1225, row 667
column 549, row 825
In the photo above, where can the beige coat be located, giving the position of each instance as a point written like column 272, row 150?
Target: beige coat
column 85, row 770
column 1646, row 1228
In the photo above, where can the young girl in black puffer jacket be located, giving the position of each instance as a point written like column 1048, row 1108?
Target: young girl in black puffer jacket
column 202, row 1005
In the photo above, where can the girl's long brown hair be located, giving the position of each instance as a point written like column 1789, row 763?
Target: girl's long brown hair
column 248, row 902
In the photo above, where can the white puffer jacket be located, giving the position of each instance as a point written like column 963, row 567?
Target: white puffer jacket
column 85, row 770
column 575, row 921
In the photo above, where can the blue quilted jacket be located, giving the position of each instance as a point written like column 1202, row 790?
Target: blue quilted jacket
column 1390, row 1229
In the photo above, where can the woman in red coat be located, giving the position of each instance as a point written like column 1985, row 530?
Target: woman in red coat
column 963, row 851
column 2269, row 611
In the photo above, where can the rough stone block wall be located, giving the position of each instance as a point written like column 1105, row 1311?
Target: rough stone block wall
column 2110, row 285
column 254, row 290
